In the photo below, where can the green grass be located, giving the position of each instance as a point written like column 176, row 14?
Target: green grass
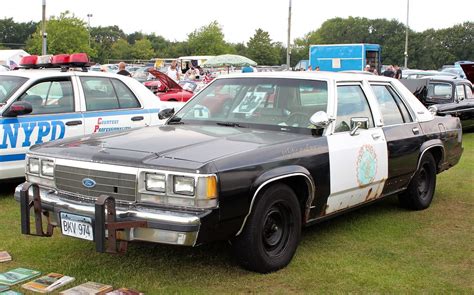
column 377, row 249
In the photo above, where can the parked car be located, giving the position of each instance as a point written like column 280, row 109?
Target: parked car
column 445, row 96
column 252, row 158
column 41, row 105
column 169, row 90
column 141, row 74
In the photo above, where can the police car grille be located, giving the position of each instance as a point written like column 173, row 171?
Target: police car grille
column 121, row 186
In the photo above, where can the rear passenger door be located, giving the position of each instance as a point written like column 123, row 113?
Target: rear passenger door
column 111, row 106
column 403, row 136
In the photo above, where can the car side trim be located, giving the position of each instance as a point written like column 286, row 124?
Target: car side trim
column 312, row 189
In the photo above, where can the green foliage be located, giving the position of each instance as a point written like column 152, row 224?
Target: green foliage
column 261, row 50
column 66, row 34
column 102, row 40
column 142, row 49
column 208, row 40
column 121, row 49
column 14, row 35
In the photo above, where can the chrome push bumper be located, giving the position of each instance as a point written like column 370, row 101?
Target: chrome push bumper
column 128, row 224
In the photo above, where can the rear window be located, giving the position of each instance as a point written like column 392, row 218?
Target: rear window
column 440, row 91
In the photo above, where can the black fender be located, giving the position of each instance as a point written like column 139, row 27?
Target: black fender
column 276, row 174
column 426, row 146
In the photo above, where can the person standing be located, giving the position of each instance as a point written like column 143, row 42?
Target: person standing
column 122, row 70
column 172, row 71
column 398, row 72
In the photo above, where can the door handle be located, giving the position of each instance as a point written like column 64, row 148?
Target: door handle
column 376, row 136
column 74, row 123
column 137, row 118
column 416, row 130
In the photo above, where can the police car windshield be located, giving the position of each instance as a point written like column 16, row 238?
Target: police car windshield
column 273, row 102
column 8, row 86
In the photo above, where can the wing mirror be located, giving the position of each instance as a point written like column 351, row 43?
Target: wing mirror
column 358, row 123
column 166, row 113
column 320, row 120
column 18, row 108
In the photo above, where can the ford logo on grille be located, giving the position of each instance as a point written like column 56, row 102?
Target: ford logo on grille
column 89, row 183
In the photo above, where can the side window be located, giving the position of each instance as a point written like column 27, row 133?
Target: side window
column 469, row 94
column 50, row 97
column 439, row 91
column 351, row 103
column 388, row 107
column 126, row 98
column 460, row 92
column 99, row 94
column 393, row 110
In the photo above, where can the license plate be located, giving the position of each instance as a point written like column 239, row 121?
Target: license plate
column 77, row 226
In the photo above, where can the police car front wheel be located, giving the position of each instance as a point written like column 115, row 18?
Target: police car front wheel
column 272, row 232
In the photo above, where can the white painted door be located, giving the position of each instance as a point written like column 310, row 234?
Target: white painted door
column 358, row 162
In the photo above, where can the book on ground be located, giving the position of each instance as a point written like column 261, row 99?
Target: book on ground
column 124, row 291
column 10, row 292
column 5, row 256
column 48, row 283
column 4, row 288
column 17, row 275
column 89, row 288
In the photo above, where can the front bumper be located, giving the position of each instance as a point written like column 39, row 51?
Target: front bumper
column 163, row 226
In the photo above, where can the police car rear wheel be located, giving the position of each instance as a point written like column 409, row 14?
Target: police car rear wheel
column 420, row 191
column 271, row 235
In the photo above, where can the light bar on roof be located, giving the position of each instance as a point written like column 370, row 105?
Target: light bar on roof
column 55, row 61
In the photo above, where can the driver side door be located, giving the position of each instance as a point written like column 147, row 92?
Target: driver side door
column 358, row 161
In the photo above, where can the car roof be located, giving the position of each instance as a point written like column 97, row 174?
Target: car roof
column 41, row 73
column 313, row 75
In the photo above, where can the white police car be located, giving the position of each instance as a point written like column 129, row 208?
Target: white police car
column 41, row 105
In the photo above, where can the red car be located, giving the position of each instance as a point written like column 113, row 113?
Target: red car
column 168, row 90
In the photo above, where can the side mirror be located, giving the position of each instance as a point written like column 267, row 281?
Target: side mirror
column 19, row 108
column 166, row 113
column 320, row 120
column 358, row 123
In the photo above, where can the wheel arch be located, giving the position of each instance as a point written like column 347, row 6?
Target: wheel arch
column 436, row 148
column 293, row 176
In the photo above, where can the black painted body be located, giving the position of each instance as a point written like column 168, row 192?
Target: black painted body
column 245, row 158
column 463, row 109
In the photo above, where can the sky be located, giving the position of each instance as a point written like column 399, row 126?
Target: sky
column 239, row 19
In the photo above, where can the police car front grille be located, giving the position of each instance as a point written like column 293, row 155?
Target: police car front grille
column 121, row 186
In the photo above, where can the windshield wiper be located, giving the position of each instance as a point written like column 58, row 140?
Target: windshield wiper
column 230, row 124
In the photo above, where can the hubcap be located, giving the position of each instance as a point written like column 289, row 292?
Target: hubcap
column 423, row 183
column 276, row 229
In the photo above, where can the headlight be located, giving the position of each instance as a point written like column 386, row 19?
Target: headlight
column 47, row 168
column 33, row 165
column 183, row 185
column 155, row 182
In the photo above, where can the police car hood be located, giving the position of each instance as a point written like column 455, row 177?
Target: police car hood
column 167, row 145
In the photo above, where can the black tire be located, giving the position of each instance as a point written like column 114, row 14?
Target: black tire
column 420, row 191
column 272, row 231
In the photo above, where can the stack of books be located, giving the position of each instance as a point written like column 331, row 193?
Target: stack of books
column 48, row 283
column 89, row 288
column 5, row 256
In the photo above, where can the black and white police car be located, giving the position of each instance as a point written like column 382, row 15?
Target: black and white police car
column 55, row 97
column 252, row 158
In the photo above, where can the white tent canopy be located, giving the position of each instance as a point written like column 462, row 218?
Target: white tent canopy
column 11, row 57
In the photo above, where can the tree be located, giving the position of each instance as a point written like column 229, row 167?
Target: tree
column 142, row 49
column 15, row 35
column 102, row 40
column 66, row 34
column 261, row 50
column 121, row 50
column 208, row 40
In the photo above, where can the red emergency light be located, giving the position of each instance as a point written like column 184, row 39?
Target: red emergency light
column 63, row 61
column 27, row 61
